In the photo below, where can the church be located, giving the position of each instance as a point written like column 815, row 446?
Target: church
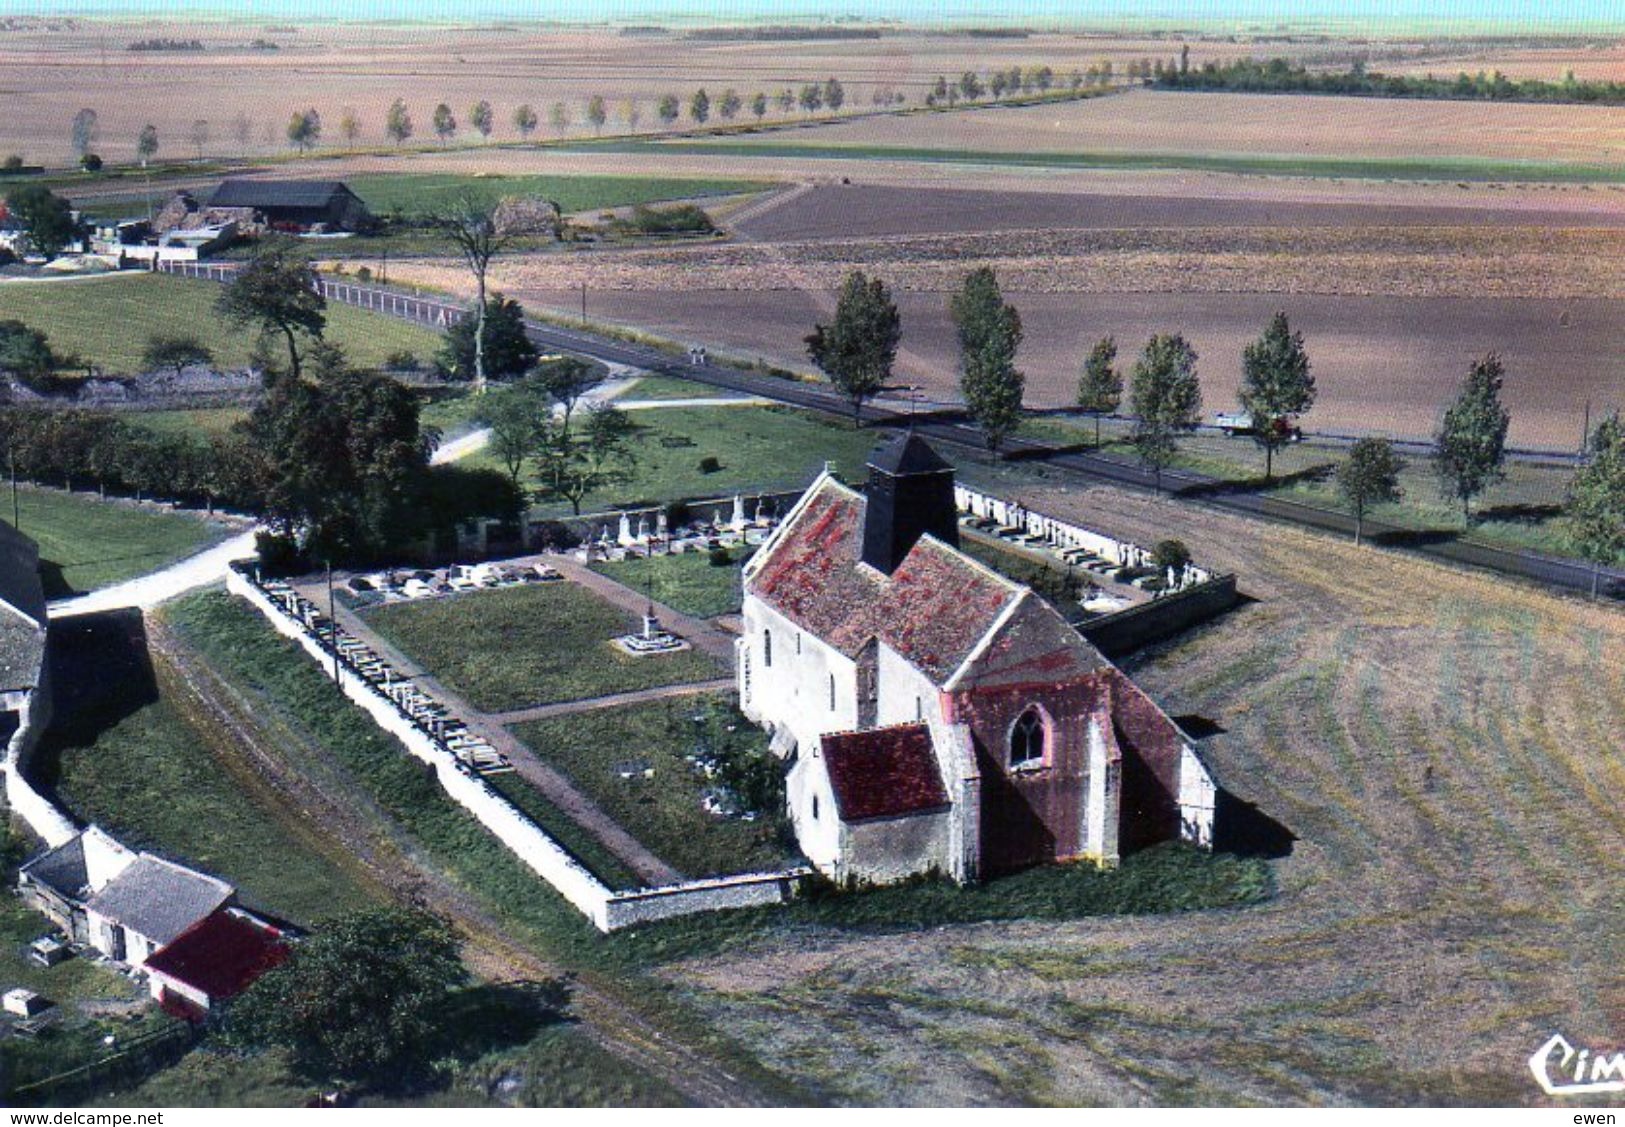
column 935, row 717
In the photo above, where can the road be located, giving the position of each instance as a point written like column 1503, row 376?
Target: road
column 945, row 428
column 147, row 591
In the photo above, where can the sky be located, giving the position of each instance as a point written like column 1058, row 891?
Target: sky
column 1375, row 16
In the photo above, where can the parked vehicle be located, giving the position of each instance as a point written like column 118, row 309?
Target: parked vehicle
column 1233, row 423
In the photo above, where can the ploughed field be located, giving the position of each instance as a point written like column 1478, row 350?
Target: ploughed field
column 1439, row 754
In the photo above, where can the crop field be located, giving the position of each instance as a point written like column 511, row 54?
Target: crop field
column 86, row 543
column 107, row 321
column 529, row 645
column 1438, row 755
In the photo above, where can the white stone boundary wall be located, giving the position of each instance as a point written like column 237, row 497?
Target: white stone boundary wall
column 1067, row 535
column 547, row 858
column 48, row 823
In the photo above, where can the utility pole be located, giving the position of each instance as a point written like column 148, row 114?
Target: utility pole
column 1585, row 432
column 16, row 507
column 583, row 303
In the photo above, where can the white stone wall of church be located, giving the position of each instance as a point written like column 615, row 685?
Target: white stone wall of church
column 887, row 850
column 812, row 808
column 904, row 694
column 794, row 691
column 49, row 824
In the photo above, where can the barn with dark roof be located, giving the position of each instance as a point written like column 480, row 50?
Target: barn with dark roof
column 294, row 205
column 935, row 716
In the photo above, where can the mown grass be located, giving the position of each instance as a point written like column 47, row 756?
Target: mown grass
column 413, row 193
column 690, row 582
column 107, row 321
column 86, row 543
column 756, row 449
column 670, row 387
column 584, row 847
column 195, row 422
column 123, row 756
column 663, row 812
column 1261, row 164
column 530, row 645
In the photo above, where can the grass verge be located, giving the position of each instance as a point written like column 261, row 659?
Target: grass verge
column 86, row 542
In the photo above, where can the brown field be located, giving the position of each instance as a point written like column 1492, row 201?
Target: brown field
column 1601, row 62
column 330, row 66
column 1145, row 121
column 1444, row 748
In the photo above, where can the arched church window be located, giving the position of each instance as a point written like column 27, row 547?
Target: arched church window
column 767, row 648
column 832, row 692
column 1027, row 740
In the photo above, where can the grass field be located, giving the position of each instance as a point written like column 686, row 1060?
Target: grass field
column 664, row 812
column 86, row 543
column 107, row 321
column 192, row 422
column 124, row 756
column 521, row 646
column 669, row 387
column 758, row 448
column 428, row 193
column 690, row 582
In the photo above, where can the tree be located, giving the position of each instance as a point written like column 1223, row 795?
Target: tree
column 1171, row 557
column 445, row 125
column 812, row 97
column 398, row 122
column 834, row 94
column 164, row 350
column 970, row 87
column 277, row 291
column 856, row 350
column 758, row 106
column 198, row 135
column 359, row 1000
column 597, row 112
column 1166, row 399
column 472, row 229
column 524, row 120
column 730, row 105
column 1276, row 387
column 558, row 116
column 1100, row 388
column 25, row 352
column 786, row 100
column 507, row 351
column 995, row 84
column 241, row 129
column 516, row 415
column 699, row 106
column 1594, row 511
column 304, row 129
column 631, row 113
column 989, row 331
column 85, row 131
column 481, row 117
column 666, row 110
column 574, row 466
column 1369, row 476
column 146, row 144
column 46, row 219
column 565, row 380
column 349, row 125
column 1472, row 438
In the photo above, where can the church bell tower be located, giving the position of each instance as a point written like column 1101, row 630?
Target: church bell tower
column 910, row 493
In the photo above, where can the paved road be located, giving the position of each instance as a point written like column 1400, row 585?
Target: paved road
column 944, row 428
column 200, row 570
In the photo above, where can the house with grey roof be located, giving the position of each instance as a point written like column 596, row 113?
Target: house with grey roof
column 293, row 205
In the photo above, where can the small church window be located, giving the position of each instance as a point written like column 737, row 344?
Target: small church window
column 767, row 648
column 815, row 808
column 832, row 692
column 919, row 709
column 798, row 643
column 1027, row 740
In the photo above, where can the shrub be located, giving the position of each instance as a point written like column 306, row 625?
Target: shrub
column 710, row 464
column 90, row 162
column 364, row 273
column 678, row 514
column 721, row 557
column 279, row 555
column 12, row 163
column 402, row 361
column 679, row 219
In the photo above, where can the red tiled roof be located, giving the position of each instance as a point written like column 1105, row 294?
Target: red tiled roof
column 220, row 955
column 883, row 772
column 932, row 610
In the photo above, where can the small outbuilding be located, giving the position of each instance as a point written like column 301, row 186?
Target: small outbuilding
column 214, row 960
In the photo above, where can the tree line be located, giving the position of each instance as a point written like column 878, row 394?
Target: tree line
column 857, row 349
column 1280, row 76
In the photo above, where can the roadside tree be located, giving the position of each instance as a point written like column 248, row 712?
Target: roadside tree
column 857, row 348
column 1369, row 476
column 1166, row 399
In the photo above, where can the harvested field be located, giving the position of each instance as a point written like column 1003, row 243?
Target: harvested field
column 1384, row 364
column 1443, row 748
column 1287, row 125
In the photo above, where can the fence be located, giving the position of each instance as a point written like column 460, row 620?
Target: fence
column 435, row 311
column 141, row 1055
column 546, row 857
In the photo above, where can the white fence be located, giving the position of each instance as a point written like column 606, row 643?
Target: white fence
column 607, row 910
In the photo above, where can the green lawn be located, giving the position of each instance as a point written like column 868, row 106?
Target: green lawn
column 690, row 582
column 670, row 387
column 86, row 543
column 107, row 321
column 757, row 448
column 1520, row 512
column 530, row 645
column 127, row 759
column 561, row 828
column 418, row 193
column 192, row 422
column 664, row 812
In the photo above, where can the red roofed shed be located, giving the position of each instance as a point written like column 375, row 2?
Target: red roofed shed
column 217, row 958
column 884, row 772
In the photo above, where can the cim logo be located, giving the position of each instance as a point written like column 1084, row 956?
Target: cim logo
column 1552, row 1063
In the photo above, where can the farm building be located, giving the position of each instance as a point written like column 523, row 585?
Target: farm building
column 935, row 716
column 125, row 904
column 297, row 206
column 213, row 961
